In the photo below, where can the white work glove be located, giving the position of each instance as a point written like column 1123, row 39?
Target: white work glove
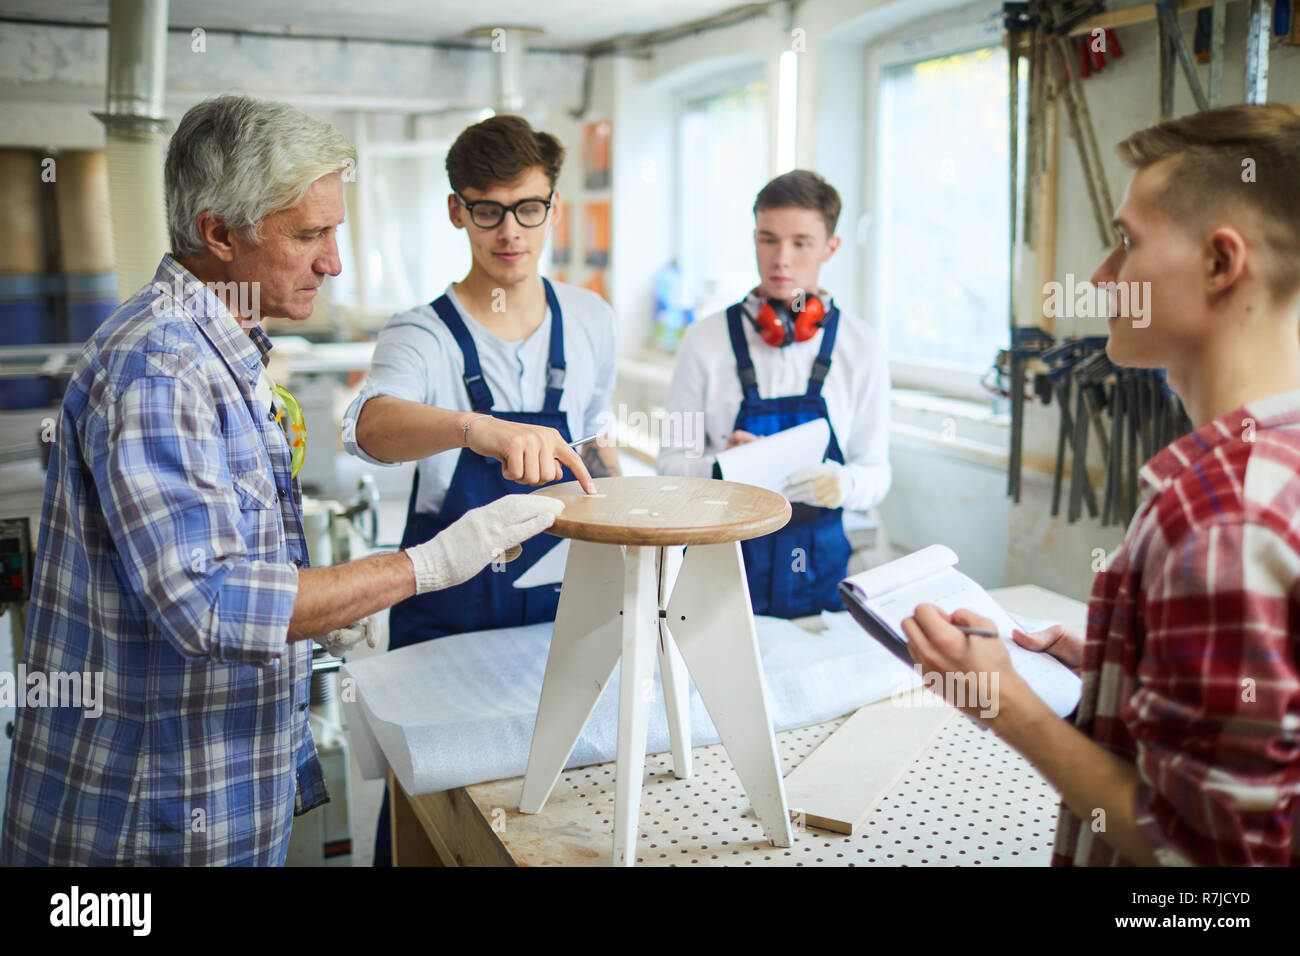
column 825, row 485
column 479, row 537
column 344, row 639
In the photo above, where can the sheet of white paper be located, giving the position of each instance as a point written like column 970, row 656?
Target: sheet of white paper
column 768, row 461
column 549, row 568
column 1032, row 624
column 888, row 676
column 460, row 710
column 910, row 568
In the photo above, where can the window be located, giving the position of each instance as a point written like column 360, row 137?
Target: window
column 723, row 156
column 941, row 262
column 413, row 251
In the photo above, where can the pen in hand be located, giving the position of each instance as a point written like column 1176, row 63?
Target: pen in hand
column 976, row 631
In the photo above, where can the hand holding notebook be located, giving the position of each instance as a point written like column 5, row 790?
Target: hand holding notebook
column 880, row 598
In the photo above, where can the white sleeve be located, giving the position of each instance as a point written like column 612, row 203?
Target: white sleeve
column 400, row 368
column 682, row 438
column 867, row 457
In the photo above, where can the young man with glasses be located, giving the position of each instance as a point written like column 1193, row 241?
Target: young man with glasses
column 485, row 386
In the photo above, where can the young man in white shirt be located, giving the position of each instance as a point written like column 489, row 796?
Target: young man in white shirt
column 783, row 356
column 485, row 386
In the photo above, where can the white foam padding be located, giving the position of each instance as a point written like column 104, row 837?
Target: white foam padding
column 460, row 710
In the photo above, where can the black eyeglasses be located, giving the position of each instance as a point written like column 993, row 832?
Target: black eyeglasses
column 529, row 213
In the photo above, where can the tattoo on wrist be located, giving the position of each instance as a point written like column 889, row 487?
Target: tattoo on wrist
column 595, row 464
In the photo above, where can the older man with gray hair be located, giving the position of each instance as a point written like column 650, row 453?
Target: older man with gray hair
column 171, row 558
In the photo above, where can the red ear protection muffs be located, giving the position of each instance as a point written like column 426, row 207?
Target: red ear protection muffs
column 779, row 326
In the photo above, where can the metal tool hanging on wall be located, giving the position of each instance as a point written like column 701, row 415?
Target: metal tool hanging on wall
column 1038, row 30
column 1059, row 19
column 1026, row 343
column 1058, row 364
column 1173, row 47
column 1145, row 416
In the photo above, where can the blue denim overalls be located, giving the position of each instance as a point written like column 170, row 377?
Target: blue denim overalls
column 489, row 599
column 794, row 571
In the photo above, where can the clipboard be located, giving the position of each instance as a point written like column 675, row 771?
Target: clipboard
column 873, row 625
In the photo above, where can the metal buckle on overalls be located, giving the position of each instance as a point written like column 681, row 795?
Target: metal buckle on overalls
column 471, row 379
column 819, row 370
column 748, row 377
column 554, row 377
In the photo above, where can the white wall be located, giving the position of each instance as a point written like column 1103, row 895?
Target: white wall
column 646, row 96
column 644, row 213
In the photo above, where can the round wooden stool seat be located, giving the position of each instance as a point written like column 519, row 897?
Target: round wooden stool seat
column 666, row 511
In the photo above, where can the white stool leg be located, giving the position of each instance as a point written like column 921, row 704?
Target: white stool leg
column 710, row 617
column 584, row 650
column 672, row 671
column 636, row 691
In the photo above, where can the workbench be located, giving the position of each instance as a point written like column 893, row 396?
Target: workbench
column 968, row 799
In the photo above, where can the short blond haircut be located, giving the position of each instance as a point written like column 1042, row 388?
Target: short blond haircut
column 1237, row 157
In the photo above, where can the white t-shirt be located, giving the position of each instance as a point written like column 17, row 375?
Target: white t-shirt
column 856, row 391
column 417, row 359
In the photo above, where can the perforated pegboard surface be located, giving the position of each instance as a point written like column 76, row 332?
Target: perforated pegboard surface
column 968, row 799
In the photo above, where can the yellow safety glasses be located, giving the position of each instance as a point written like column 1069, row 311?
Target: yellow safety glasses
column 290, row 418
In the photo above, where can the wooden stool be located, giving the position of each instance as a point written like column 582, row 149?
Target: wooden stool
column 627, row 587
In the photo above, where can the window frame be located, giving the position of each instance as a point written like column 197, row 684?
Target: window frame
column 389, row 149
column 904, row 48
column 718, row 83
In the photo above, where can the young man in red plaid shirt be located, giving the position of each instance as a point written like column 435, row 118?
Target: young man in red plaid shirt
column 1186, row 744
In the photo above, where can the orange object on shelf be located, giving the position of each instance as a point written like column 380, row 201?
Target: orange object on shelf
column 595, row 219
column 595, row 155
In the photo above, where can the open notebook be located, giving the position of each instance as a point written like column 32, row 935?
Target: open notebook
column 879, row 600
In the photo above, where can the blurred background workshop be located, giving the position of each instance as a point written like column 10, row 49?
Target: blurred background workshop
column 970, row 150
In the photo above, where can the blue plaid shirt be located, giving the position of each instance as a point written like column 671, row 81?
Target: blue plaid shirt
column 168, row 562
